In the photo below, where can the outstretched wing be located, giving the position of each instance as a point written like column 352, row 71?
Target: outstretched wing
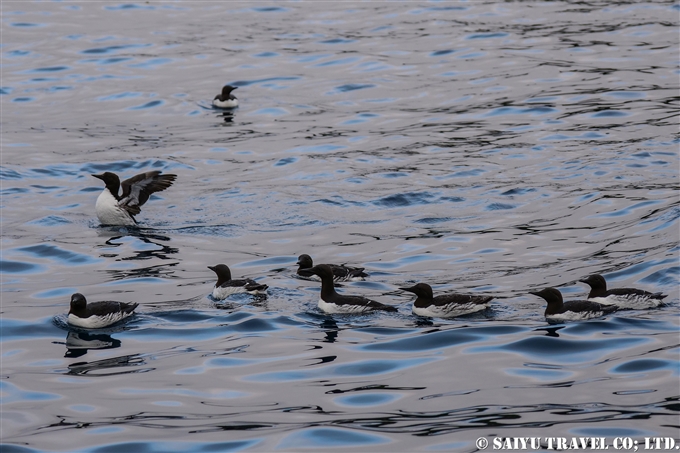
column 136, row 190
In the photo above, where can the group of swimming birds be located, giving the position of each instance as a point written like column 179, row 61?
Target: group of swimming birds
column 118, row 208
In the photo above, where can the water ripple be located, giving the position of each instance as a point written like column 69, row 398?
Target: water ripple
column 479, row 147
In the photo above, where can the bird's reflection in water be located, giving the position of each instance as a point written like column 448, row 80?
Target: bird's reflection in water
column 78, row 343
column 150, row 246
column 95, row 368
column 228, row 117
column 421, row 321
column 552, row 331
column 158, row 249
column 159, row 271
column 331, row 328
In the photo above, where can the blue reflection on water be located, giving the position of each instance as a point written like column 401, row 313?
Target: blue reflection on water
column 319, row 438
column 11, row 393
column 451, row 160
column 359, row 368
column 367, row 399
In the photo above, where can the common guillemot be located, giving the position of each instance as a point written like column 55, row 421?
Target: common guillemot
column 115, row 209
column 332, row 302
column 573, row 310
column 97, row 314
column 445, row 305
column 341, row 273
column 226, row 286
column 622, row 297
column 226, row 100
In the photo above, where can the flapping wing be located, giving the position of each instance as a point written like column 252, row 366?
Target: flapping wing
column 136, row 190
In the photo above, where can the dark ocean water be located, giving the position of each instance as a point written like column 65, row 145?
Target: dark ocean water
column 480, row 147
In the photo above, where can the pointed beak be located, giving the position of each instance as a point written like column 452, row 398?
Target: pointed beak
column 535, row 293
column 410, row 290
column 99, row 177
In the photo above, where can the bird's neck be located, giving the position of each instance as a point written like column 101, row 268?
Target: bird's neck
column 114, row 187
column 327, row 287
column 554, row 306
column 221, row 279
column 596, row 292
column 423, row 301
column 80, row 312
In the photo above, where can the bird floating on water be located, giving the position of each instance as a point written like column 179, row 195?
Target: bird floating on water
column 97, row 314
column 225, row 286
column 341, row 273
column 332, row 302
column 226, row 100
column 622, row 297
column 573, row 310
column 445, row 305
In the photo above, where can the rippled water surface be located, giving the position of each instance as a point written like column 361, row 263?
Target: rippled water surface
column 489, row 148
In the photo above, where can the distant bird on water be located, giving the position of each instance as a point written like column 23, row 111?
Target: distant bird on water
column 623, row 297
column 97, row 314
column 115, row 209
column 573, row 310
column 341, row 273
column 332, row 302
column 226, row 100
column 445, row 305
column 226, row 286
